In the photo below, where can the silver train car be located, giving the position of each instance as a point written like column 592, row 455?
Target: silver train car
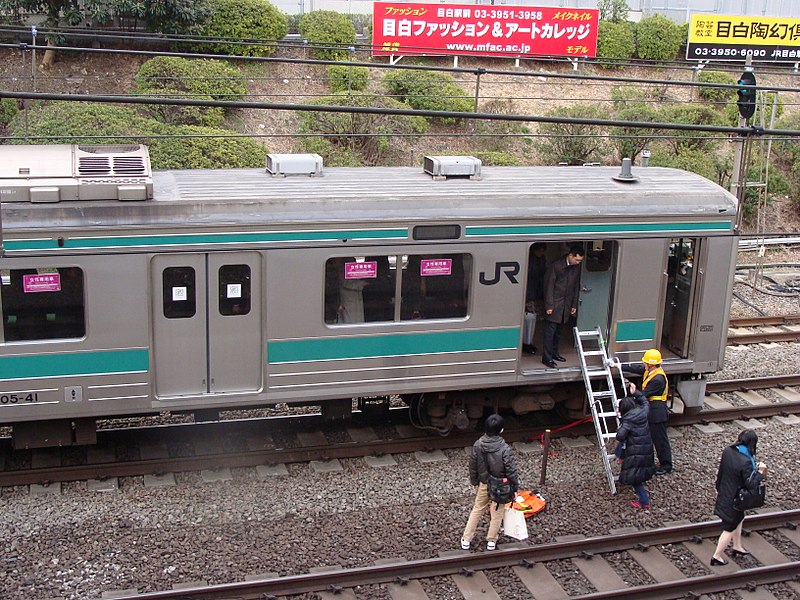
column 130, row 292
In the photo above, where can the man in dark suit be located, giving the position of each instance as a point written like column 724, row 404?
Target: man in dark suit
column 561, row 285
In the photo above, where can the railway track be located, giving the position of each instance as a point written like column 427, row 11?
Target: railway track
column 662, row 574
column 47, row 466
column 784, row 328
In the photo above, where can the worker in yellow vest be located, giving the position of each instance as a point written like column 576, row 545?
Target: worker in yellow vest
column 655, row 387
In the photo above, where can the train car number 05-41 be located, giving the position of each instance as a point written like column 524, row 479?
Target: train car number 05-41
column 18, row 398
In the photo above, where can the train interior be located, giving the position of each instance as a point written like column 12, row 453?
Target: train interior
column 596, row 295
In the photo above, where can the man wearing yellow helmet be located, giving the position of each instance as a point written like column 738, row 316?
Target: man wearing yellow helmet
column 655, row 387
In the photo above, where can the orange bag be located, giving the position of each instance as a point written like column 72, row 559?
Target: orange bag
column 529, row 503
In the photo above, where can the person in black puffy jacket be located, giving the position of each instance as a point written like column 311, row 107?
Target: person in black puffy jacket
column 490, row 455
column 736, row 466
column 638, row 463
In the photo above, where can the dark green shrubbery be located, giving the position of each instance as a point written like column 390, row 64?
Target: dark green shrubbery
column 256, row 20
column 124, row 125
column 8, row 110
column 498, row 159
column 429, row 90
column 657, row 38
column 331, row 32
column 343, row 78
column 350, row 139
column 573, row 143
column 615, row 42
column 174, row 77
column 716, row 95
column 694, row 160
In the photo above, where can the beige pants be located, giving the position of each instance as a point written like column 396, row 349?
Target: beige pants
column 496, row 512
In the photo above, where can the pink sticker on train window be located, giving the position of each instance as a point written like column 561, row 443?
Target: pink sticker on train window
column 435, row 266
column 361, row 270
column 49, row 282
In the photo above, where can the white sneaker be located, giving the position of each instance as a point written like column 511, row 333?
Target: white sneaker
column 491, row 545
column 464, row 544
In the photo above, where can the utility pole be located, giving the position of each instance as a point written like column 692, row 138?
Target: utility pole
column 741, row 158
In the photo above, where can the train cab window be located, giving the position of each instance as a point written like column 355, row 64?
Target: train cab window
column 435, row 286
column 359, row 289
column 234, row 290
column 179, row 299
column 42, row 304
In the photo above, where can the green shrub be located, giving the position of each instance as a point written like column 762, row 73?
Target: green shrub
column 429, row 90
column 367, row 136
column 214, row 78
column 657, row 38
column 615, row 42
column 694, row 160
column 573, row 143
column 343, row 78
column 124, row 125
column 175, row 77
column 248, row 20
column 500, row 133
column 209, row 116
column 694, row 114
column 8, row 109
column 717, row 94
column 630, row 141
column 332, row 34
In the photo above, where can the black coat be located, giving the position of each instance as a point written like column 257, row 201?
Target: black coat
column 561, row 287
column 734, row 473
column 634, row 431
column 499, row 459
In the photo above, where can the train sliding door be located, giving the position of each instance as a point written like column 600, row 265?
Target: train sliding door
column 680, row 290
column 207, row 323
column 597, row 276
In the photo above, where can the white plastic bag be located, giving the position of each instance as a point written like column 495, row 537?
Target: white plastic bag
column 530, row 327
column 514, row 524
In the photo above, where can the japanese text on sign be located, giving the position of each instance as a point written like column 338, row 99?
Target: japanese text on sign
column 483, row 30
column 733, row 38
column 429, row 267
column 361, row 270
column 50, row 282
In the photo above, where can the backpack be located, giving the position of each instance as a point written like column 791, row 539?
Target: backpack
column 500, row 488
column 529, row 503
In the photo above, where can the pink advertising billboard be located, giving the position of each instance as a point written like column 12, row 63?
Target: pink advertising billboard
column 468, row 29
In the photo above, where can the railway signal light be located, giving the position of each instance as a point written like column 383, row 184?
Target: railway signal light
column 747, row 95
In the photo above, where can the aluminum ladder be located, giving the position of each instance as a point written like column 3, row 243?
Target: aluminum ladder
column 596, row 367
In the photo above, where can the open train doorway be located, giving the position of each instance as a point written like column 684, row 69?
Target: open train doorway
column 681, row 283
column 597, row 279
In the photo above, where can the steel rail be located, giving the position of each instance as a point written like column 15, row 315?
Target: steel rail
column 251, row 458
column 774, row 321
column 742, row 339
column 753, row 383
column 469, row 563
column 693, row 587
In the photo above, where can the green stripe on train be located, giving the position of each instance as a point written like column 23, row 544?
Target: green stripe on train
column 636, row 331
column 405, row 344
column 589, row 228
column 190, row 239
column 74, row 363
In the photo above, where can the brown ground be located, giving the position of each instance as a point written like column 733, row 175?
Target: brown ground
column 291, row 83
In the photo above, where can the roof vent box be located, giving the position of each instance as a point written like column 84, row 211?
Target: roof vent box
column 58, row 173
column 442, row 167
column 294, row 164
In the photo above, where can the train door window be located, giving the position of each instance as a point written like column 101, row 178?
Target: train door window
column 234, row 290
column 680, row 288
column 44, row 303
column 435, row 286
column 359, row 289
column 180, row 301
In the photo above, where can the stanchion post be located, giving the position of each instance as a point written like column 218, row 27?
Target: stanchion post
column 545, row 454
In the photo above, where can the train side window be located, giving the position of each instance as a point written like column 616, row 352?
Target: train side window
column 42, row 304
column 234, row 290
column 359, row 289
column 179, row 297
column 435, row 286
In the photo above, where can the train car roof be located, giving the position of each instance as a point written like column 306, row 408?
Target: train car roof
column 380, row 194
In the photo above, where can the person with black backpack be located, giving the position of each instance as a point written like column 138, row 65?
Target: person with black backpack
column 493, row 470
